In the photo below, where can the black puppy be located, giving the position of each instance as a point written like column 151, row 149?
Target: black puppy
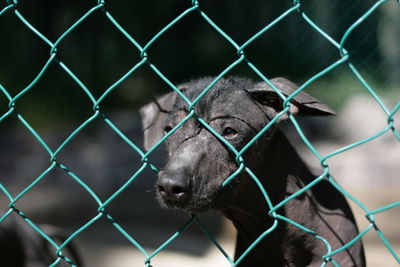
column 22, row 246
column 198, row 163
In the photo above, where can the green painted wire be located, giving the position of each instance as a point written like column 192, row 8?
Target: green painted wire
column 271, row 208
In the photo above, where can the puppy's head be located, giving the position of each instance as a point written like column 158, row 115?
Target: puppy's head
column 198, row 161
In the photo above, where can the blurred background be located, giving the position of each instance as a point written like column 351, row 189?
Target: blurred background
column 99, row 55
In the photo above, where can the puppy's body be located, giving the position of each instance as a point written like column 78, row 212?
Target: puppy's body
column 199, row 162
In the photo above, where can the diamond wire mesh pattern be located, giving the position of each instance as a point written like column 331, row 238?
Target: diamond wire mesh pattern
column 194, row 7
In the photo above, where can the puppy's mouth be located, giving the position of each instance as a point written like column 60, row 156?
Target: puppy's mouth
column 193, row 197
column 188, row 203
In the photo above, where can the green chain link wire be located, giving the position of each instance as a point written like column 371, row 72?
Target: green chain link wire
column 12, row 6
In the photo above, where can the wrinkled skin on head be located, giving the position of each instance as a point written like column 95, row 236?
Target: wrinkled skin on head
column 198, row 162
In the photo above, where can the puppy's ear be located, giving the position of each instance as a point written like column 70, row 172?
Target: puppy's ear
column 302, row 104
column 154, row 116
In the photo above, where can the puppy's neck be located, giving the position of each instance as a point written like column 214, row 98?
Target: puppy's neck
column 279, row 168
column 281, row 172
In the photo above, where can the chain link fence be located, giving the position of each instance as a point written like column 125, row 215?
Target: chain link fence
column 142, row 50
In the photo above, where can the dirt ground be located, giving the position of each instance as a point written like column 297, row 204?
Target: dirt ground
column 101, row 254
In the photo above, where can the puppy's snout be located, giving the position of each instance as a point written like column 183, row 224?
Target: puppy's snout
column 173, row 188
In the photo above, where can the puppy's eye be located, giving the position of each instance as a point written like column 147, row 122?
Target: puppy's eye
column 229, row 132
column 167, row 129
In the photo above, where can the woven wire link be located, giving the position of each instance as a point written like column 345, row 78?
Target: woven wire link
column 193, row 7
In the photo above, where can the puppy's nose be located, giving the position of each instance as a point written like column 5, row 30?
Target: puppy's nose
column 173, row 189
